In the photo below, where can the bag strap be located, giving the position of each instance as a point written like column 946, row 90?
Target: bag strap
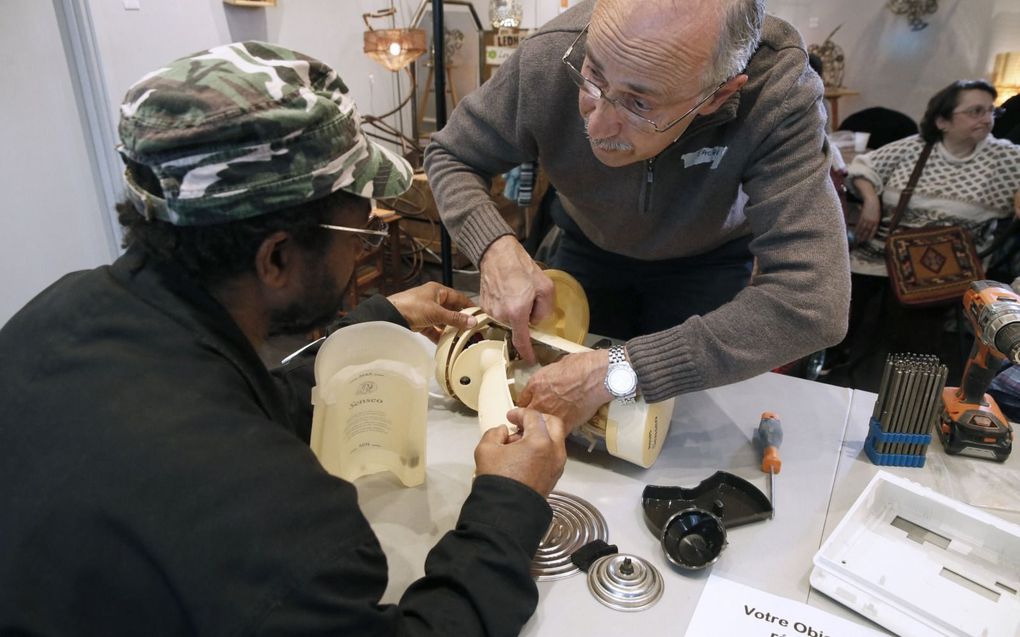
column 909, row 190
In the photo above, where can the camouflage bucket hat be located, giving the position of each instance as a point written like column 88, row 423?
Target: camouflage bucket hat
column 245, row 129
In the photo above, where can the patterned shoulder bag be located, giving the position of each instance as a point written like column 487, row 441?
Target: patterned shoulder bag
column 933, row 265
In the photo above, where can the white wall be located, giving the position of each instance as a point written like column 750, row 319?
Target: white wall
column 892, row 66
column 49, row 207
column 133, row 43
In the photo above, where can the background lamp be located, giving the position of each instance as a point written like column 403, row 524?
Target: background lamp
column 393, row 48
column 1006, row 75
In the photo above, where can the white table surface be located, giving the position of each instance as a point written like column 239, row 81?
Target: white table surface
column 824, row 470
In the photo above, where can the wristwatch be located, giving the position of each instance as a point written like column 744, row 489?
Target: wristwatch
column 621, row 381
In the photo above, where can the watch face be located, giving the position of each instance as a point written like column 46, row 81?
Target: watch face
column 621, row 380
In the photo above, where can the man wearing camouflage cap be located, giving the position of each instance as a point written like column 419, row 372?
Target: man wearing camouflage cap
column 155, row 478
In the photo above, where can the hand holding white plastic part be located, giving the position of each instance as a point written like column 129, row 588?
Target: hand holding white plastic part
column 535, row 457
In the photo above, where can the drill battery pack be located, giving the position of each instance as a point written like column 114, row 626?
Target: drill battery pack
column 976, row 430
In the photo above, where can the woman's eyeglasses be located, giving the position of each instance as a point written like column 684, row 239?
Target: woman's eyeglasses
column 977, row 112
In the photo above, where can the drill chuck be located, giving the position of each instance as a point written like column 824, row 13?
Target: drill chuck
column 997, row 321
column 1007, row 341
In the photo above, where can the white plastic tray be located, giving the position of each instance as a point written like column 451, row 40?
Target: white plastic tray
column 919, row 563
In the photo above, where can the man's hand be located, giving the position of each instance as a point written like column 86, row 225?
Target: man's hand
column 572, row 388
column 534, row 456
column 429, row 308
column 514, row 290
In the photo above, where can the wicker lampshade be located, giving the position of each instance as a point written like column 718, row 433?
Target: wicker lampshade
column 1006, row 75
column 395, row 48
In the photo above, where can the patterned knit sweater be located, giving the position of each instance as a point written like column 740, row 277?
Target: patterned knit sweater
column 973, row 191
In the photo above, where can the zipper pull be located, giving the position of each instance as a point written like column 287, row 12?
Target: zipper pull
column 647, row 190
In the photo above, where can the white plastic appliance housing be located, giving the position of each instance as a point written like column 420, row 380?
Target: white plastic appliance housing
column 371, row 402
column 920, row 563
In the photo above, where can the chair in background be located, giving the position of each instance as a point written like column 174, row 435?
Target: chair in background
column 884, row 124
column 1008, row 125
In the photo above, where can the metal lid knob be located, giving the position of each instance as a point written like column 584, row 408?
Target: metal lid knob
column 625, row 582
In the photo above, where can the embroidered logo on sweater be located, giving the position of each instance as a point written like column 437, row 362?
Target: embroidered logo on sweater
column 705, row 156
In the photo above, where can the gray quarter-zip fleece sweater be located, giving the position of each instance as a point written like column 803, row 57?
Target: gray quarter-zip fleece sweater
column 757, row 166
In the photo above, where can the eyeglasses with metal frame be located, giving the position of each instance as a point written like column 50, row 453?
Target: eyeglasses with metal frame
column 372, row 235
column 977, row 112
column 635, row 119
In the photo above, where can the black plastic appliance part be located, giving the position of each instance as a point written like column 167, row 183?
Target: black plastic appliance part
column 732, row 499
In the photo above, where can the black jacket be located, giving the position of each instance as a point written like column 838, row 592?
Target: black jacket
column 153, row 481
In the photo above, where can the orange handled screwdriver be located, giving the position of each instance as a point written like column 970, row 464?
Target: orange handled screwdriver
column 769, row 436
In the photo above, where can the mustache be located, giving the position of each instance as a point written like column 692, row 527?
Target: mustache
column 608, row 144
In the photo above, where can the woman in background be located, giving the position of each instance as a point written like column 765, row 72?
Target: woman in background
column 970, row 179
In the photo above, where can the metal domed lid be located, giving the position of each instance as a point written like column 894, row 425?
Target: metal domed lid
column 625, row 582
column 575, row 523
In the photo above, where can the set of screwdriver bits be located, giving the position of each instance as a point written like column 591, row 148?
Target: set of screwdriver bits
column 908, row 405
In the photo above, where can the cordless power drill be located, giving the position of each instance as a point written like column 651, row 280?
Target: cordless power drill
column 970, row 419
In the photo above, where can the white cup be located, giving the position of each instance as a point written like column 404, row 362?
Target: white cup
column 861, row 142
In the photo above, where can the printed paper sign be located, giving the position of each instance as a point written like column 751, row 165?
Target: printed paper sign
column 728, row 608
